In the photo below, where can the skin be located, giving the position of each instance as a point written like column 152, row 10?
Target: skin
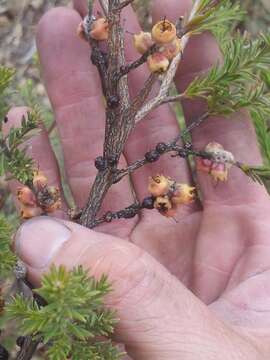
column 195, row 288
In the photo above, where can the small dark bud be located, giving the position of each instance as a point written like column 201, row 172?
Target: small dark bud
column 4, row 355
column 112, row 160
column 100, row 163
column 161, row 148
column 188, row 145
column 5, row 119
column 20, row 340
column 152, row 156
column 109, row 216
column 130, row 213
column 121, row 214
column 113, row 101
column 148, row 203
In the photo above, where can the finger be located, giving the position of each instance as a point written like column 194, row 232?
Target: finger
column 74, row 90
column 236, row 134
column 39, row 149
column 160, row 126
column 144, row 292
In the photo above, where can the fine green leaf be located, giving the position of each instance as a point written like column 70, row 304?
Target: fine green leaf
column 236, row 83
column 259, row 174
column 263, row 135
column 6, row 75
column 212, row 15
column 7, row 258
column 74, row 317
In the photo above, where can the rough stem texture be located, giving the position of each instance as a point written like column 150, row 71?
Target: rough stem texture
column 119, row 118
column 121, row 113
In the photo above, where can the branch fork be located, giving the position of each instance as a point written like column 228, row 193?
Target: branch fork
column 122, row 114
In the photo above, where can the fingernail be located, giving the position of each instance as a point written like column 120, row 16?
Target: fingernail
column 39, row 239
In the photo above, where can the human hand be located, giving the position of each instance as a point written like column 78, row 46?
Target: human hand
column 218, row 250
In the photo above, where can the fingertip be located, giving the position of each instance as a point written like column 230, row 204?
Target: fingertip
column 173, row 9
column 56, row 19
column 56, row 35
column 44, row 241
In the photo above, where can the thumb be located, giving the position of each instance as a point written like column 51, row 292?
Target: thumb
column 159, row 318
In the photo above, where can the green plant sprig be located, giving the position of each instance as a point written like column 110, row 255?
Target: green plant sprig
column 74, row 317
column 13, row 158
column 212, row 15
column 237, row 82
column 7, row 257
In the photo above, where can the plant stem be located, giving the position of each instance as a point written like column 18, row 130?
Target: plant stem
column 121, row 114
column 119, row 118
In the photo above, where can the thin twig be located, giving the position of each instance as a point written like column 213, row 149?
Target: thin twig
column 120, row 113
column 173, row 98
column 144, row 93
column 25, row 289
column 134, row 65
column 105, row 6
column 169, row 76
column 124, row 4
column 119, row 120
column 183, row 152
column 127, row 213
column 192, row 126
column 28, row 349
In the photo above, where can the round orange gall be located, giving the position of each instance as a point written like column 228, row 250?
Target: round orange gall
column 164, row 32
column 100, row 29
column 184, row 194
column 159, row 185
column 172, row 49
column 26, row 196
column 158, row 63
column 143, row 41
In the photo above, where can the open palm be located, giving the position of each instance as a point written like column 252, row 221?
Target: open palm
column 219, row 249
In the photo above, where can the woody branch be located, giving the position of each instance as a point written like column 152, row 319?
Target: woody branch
column 121, row 113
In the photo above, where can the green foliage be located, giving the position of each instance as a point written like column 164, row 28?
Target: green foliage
column 259, row 174
column 30, row 98
column 6, row 75
column 263, row 135
column 73, row 318
column 93, row 352
column 212, row 15
column 13, row 157
column 238, row 82
column 7, row 258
